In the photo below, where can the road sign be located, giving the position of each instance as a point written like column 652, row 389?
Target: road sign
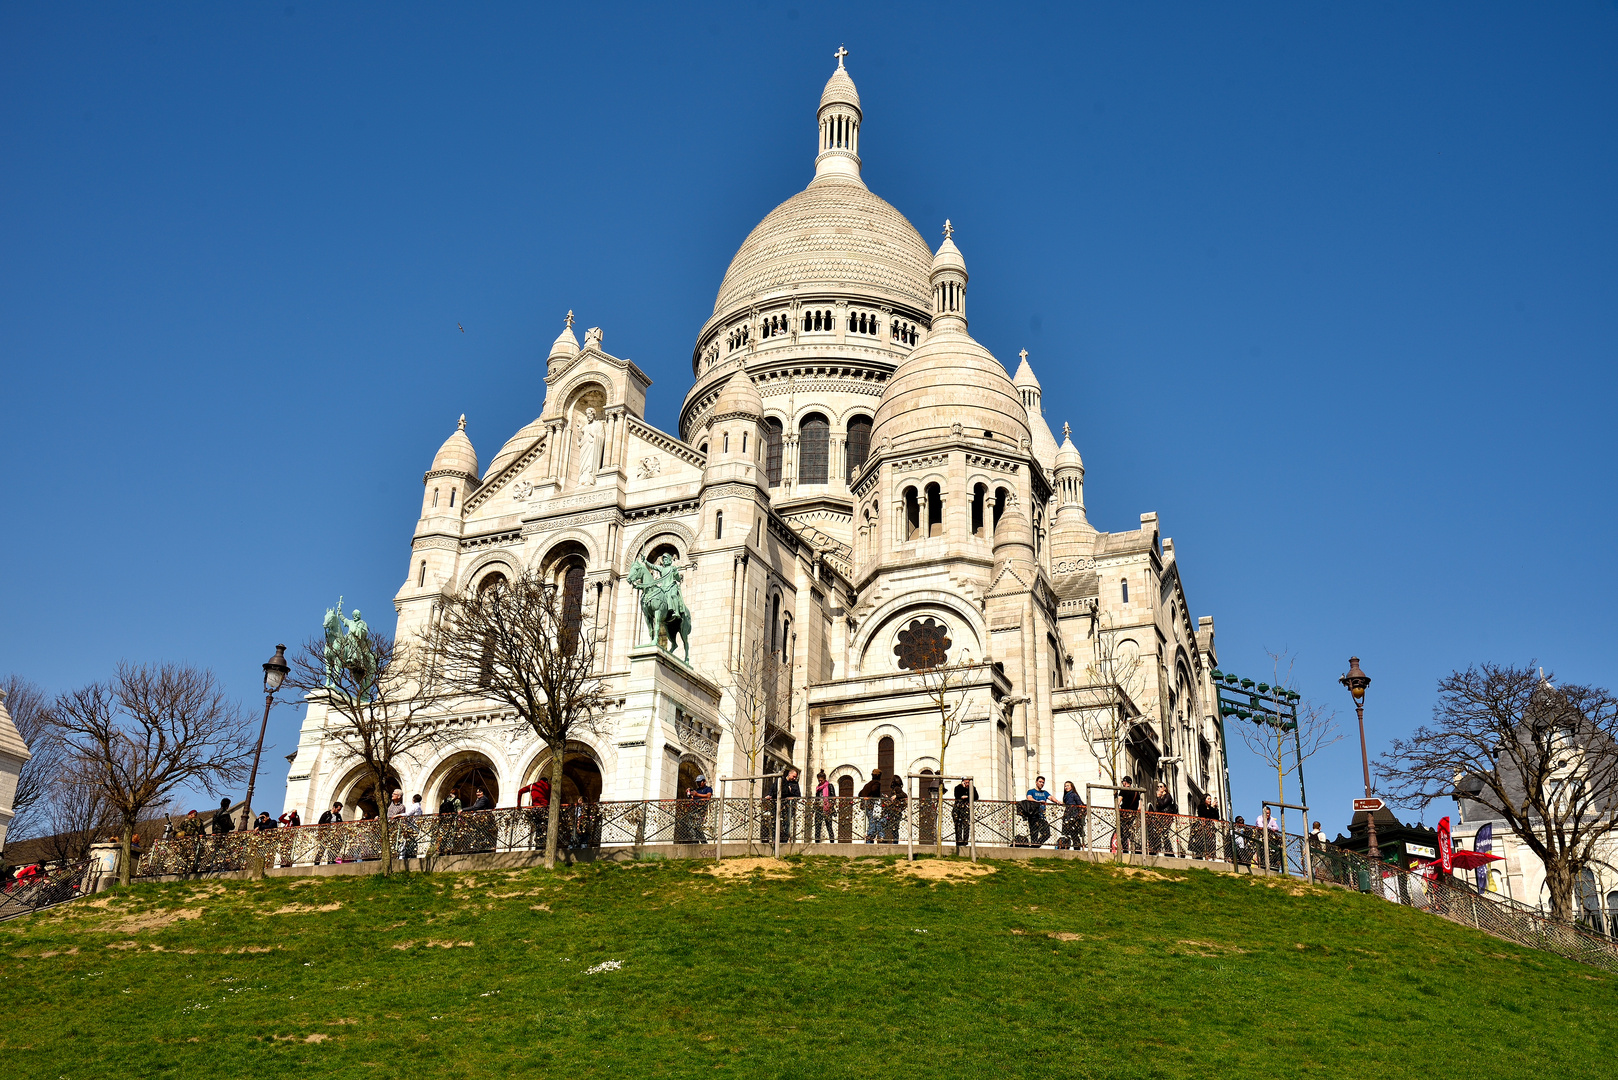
column 1371, row 805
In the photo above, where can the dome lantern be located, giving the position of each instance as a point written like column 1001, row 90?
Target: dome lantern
column 948, row 277
column 566, row 346
column 839, row 115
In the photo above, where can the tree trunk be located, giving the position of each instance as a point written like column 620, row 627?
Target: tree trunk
column 125, row 870
column 385, row 799
column 1559, row 879
column 554, row 818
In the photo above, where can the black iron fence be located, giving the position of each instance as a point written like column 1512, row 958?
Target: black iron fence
column 715, row 827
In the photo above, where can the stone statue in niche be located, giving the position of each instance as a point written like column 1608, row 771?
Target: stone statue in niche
column 589, row 442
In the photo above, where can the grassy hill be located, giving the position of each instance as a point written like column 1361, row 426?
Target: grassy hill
column 814, row 967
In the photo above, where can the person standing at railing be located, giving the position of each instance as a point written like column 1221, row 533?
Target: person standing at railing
column 965, row 796
column 824, row 793
column 1128, row 817
column 330, row 847
column 1160, row 822
column 791, row 793
column 539, row 801
column 870, row 802
column 1241, row 850
column 1039, row 829
column 701, row 798
column 1073, row 812
column 1272, row 838
column 483, row 825
column 893, row 811
column 1203, row 846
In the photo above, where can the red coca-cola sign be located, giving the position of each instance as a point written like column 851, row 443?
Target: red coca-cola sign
column 1445, row 852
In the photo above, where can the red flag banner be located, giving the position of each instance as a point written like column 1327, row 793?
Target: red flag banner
column 1446, row 855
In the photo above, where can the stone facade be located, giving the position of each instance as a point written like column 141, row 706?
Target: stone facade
column 852, row 471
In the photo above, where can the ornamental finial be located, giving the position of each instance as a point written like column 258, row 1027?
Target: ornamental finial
column 462, row 425
column 840, row 53
column 1024, row 355
column 949, row 230
column 569, row 319
column 1067, row 432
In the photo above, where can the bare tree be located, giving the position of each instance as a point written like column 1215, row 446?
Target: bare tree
column 76, row 812
column 1108, row 693
column 374, row 716
column 1543, row 758
column 1282, row 748
column 519, row 644
column 754, row 682
column 946, row 687
column 26, row 704
column 149, row 732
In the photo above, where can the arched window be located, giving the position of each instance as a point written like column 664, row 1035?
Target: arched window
column 814, row 441
column 487, row 589
column 703, row 449
column 884, row 759
column 572, row 605
column 772, row 451
column 452, row 492
column 999, row 505
column 980, row 495
column 744, row 442
column 912, row 526
column 421, row 578
column 719, row 525
column 935, row 511
column 726, row 445
column 775, row 625
column 1056, row 662
column 435, row 498
column 859, row 444
column 1124, row 589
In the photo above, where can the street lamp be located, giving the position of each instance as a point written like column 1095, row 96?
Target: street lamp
column 1355, row 682
column 275, row 670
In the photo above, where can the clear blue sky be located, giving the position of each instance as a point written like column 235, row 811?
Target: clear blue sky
column 1329, row 287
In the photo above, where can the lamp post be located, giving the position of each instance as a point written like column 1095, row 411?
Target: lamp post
column 1355, row 682
column 275, row 670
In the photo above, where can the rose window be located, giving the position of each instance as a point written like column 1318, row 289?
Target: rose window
column 923, row 644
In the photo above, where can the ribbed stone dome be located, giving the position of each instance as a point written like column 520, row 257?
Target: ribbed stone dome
column 834, row 234
column 456, row 455
column 950, row 378
column 516, row 446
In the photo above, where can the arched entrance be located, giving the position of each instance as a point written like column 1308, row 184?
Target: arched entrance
column 363, row 800
column 464, row 778
column 581, row 773
column 689, row 771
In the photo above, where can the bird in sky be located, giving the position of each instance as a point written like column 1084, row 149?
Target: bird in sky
column 461, row 328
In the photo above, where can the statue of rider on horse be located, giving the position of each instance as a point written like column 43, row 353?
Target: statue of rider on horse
column 667, row 617
column 348, row 648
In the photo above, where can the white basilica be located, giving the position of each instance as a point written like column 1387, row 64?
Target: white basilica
column 857, row 489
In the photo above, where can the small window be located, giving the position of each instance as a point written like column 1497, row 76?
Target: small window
column 935, row 511
column 435, row 498
column 980, row 495
column 726, row 447
column 772, row 452
column 421, row 578
column 719, row 525
column 1124, row 585
column 814, row 446
column 703, row 449
column 452, row 492
column 859, row 444
column 912, row 514
column 744, row 442
column 999, row 505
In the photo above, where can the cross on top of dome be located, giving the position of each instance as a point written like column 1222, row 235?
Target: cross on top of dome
column 949, row 230
column 840, row 53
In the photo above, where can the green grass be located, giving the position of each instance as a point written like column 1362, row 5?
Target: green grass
column 836, row 968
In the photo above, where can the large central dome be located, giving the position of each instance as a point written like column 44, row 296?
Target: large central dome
column 837, row 235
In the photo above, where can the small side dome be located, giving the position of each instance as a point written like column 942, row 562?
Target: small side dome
column 1025, row 377
column 457, row 455
column 566, row 346
column 739, row 396
column 949, row 256
column 1067, row 457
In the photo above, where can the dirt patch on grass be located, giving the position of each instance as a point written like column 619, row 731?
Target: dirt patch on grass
column 1064, row 936
column 154, row 920
column 539, row 907
column 120, row 945
column 745, row 867
column 435, row 944
column 305, row 909
column 59, row 952
column 1211, row 948
column 1144, row 874
column 1291, row 886
column 939, row 870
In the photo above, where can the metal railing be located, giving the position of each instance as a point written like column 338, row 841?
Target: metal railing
column 752, row 825
column 48, row 888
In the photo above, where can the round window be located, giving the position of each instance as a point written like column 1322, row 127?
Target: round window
column 923, row 644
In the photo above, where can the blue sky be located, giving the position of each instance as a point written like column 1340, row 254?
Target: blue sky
column 1329, row 287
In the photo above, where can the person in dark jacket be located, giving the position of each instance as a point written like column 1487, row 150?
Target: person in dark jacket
column 221, row 823
column 1128, row 817
column 329, row 846
column 483, row 826
column 791, row 792
column 1072, row 816
column 1160, row 827
column 265, row 822
column 893, row 811
column 964, row 796
column 870, row 799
